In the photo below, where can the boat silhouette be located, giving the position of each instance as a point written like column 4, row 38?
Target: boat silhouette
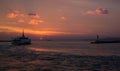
column 22, row 40
column 98, row 41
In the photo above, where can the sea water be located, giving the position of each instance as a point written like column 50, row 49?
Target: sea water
column 60, row 56
column 76, row 47
column 73, row 47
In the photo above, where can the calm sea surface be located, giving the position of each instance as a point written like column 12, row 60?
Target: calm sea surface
column 75, row 47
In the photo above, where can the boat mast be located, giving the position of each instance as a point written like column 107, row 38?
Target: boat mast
column 97, row 37
column 23, row 33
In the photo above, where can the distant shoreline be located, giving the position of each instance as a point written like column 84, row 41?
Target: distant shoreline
column 5, row 40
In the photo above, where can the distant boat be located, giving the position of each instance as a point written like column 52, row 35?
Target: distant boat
column 98, row 41
column 21, row 40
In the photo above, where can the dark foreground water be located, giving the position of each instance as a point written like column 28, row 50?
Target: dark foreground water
column 60, row 56
column 77, row 47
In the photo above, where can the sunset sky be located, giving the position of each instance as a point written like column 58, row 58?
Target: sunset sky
column 60, row 17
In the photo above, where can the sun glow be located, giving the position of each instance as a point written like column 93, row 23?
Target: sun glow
column 30, row 31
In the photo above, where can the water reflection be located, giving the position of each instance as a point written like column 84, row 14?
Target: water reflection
column 78, row 48
column 39, row 49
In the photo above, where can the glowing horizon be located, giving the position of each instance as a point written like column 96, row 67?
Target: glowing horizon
column 36, row 32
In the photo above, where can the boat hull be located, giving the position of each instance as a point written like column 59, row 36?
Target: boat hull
column 100, row 42
column 20, row 43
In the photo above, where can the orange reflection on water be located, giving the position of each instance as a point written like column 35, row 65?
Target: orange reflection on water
column 41, row 49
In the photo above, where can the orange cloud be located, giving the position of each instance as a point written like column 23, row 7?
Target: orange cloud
column 90, row 12
column 21, row 21
column 12, row 15
column 22, row 15
column 41, row 21
column 30, row 18
column 15, row 14
column 36, row 16
column 63, row 18
column 34, row 21
column 15, row 11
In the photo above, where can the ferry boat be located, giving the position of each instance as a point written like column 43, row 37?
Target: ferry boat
column 23, row 40
column 99, row 41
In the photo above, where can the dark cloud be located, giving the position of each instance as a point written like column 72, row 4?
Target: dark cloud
column 101, row 11
column 98, row 11
column 32, row 14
